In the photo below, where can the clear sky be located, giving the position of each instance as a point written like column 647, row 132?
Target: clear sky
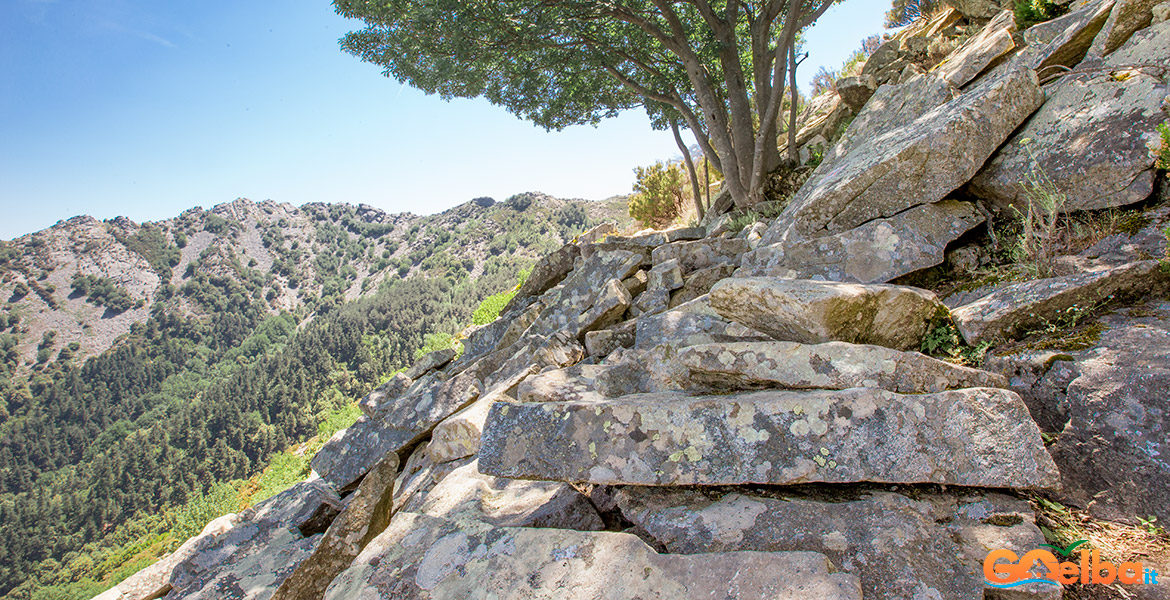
column 146, row 108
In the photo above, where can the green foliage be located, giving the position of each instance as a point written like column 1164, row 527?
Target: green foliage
column 150, row 243
column 102, row 291
column 1040, row 239
column 213, row 223
column 434, row 342
column 1163, row 161
column 904, row 12
column 658, row 194
column 943, row 341
column 284, row 470
column 1031, row 12
column 1164, row 263
column 202, row 508
column 337, row 419
column 489, row 310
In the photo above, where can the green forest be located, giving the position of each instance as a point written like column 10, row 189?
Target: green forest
column 106, row 464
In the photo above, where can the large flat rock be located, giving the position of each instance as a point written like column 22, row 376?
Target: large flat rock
column 973, row 437
column 420, row 556
column 931, row 546
column 1016, row 308
column 832, row 365
column 919, row 163
column 977, row 53
column 876, row 252
column 1092, row 137
column 583, row 297
column 806, row 311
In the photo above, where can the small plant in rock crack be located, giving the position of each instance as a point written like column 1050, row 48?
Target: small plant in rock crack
column 1151, row 525
column 1041, row 224
column 943, row 340
column 1163, row 156
column 1165, row 262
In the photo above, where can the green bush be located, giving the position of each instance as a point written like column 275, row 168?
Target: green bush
column 1163, row 162
column 658, row 194
column 1031, row 12
column 489, row 310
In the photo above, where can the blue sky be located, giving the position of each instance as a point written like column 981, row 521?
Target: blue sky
column 145, row 108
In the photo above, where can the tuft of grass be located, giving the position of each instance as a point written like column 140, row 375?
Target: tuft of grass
column 1163, row 159
column 1041, row 224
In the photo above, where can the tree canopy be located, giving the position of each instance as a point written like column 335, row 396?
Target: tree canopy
column 721, row 67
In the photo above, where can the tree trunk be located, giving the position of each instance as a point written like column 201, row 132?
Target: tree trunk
column 793, row 151
column 690, row 168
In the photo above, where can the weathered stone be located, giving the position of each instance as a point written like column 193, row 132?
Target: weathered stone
column 1013, row 309
column 980, row 9
column 1160, row 13
column 557, row 350
column 652, row 301
column 881, row 58
column 458, row 435
column 920, row 163
column 497, row 335
column 1113, row 452
column 468, row 495
column 1065, row 40
column 546, row 273
column 832, row 365
column 666, row 275
column 932, row 546
column 1091, row 138
column 876, row 252
column 354, row 450
column 429, row 362
column 571, row 308
column 685, row 233
column 609, row 306
column 155, row 581
column 700, row 254
column 972, row 437
column 856, row 91
column 700, row 282
column 562, row 385
column 805, row 311
column 367, row 513
column 384, row 394
column 597, row 233
column 251, row 560
column 601, row 343
column 420, row 556
column 1041, row 378
column 977, row 53
column 693, row 322
column 636, row 284
column 419, row 476
column 1127, row 17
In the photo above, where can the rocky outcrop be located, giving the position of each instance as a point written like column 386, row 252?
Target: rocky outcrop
column 974, row 437
column 1093, row 136
column 810, row 312
column 426, row 557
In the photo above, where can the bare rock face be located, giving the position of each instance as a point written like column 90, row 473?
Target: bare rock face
column 832, row 365
column 384, row 394
column 1113, row 450
column 1017, row 307
column 1093, row 136
column 430, row 362
column 856, row 91
column 928, row 547
column 251, row 559
column 919, row 163
column 365, row 516
column 1065, row 40
column 694, row 322
column 584, row 301
column 426, row 557
column 810, row 312
column 876, row 252
column 546, row 273
column 972, row 437
column 1127, row 17
column 977, row 53
column 700, row 254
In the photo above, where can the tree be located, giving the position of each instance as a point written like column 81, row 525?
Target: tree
column 905, row 12
column 719, row 66
column 658, row 195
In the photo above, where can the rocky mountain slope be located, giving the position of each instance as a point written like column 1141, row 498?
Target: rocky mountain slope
column 293, row 257
column 760, row 407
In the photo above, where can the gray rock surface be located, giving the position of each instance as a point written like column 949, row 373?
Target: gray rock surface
column 856, row 91
column 805, row 311
column 384, row 394
column 694, row 322
column 1017, row 308
column 876, row 252
column 546, row 273
column 919, row 163
column 977, row 53
column 832, row 365
column 700, row 254
column 429, row 362
column 972, row 437
column 584, row 300
column 1091, row 138
column 420, row 556
column 931, row 546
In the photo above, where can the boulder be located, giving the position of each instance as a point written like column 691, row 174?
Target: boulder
column 367, row 513
column 697, row 284
column 1063, row 41
column 693, row 322
column 651, row 302
column 980, row 9
column 420, row 556
column 685, row 233
column 810, row 312
column 832, row 365
column 971, row 437
column 636, row 284
column 596, row 234
column 931, row 546
column 546, row 273
column 1013, row 309
column 468, row 495
column 429, row 362
column 700, row 254
column 1127, row 17
column 666, row 275
column 608, row 307
column 976, row 54
column 458, row 435
column 497, row 335
column 920, row 163
column 1092, row 137
column 354, row 450
column 856, row 91
column 384, row 395
column 602, row 342
column 876, row 252
column 562, row 385
column 1113, row 450
column 571, row 308
column 251, row 560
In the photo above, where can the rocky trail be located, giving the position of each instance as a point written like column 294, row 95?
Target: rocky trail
column 712, row 413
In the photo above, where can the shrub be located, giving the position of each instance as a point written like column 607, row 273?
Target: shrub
column 658, row 197
column 1040, row 225
column 1163, row 161
column 1031, row 12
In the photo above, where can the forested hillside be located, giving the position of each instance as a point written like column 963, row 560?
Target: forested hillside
column 263, row 322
